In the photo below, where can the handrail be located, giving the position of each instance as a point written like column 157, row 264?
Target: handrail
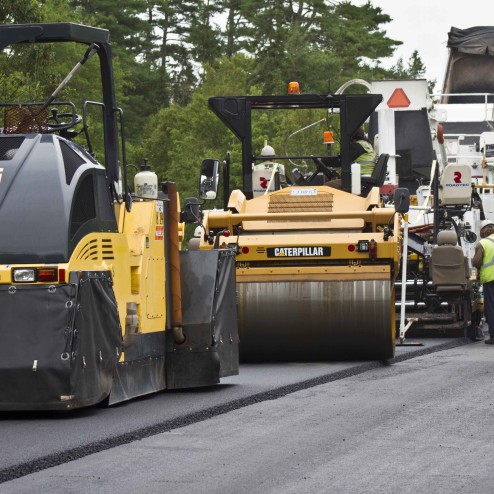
column 485, row 95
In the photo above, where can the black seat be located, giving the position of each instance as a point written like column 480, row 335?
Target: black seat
column 378, row 175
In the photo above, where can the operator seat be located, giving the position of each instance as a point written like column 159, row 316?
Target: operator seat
column 450, row 270
column 376, row 179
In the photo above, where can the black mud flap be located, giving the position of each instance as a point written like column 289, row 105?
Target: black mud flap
column 210, row 321
column 97, row 339
column 143, row 369
column 58, row 344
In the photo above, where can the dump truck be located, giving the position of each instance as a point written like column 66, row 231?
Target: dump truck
column 465, row 108
column 315, row 265
column 97, row 303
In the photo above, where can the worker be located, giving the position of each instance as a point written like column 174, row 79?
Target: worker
column 483, row 260
column 263, row 176
column 362, row 152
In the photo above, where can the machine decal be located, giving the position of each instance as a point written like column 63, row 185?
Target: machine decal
column 159, row 232
column 299, row 251
column 457, row 181
column 304, row 192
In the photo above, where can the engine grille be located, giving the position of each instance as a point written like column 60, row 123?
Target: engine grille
column 97, row 250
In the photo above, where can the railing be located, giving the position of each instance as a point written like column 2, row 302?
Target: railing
column 484, row 95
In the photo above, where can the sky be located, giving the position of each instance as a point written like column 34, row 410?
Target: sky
column 423, row 25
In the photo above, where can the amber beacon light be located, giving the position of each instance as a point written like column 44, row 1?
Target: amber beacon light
column 293, row 88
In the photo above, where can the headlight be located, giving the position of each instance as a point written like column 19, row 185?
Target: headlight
column 24, row 275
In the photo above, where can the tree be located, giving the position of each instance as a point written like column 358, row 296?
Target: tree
column 327, row 43
column 180, row 137
column 414, row 69
column 19, row 11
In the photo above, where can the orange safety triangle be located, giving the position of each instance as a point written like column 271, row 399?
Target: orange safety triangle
column 398, row 99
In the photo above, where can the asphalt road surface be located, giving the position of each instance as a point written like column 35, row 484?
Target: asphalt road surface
column 32, row 442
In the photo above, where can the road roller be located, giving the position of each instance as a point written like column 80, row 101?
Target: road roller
column 97, row 303
column 316, row 257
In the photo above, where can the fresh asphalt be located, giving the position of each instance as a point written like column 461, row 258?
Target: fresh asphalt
column 423, row 425
column 32, row 442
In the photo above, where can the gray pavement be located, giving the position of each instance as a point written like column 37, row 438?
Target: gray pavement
column 420, row 425
column 32, row 441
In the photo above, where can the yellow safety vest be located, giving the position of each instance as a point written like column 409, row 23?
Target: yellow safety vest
column 487, row 268
column 367, row 160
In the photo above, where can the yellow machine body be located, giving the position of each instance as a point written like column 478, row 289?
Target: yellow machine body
column 94, row 354
column 315, row 273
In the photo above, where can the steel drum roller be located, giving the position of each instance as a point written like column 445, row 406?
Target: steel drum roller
column 315, row 320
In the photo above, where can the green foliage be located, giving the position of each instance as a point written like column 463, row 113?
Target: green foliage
column 19, row 11
column 180, row 137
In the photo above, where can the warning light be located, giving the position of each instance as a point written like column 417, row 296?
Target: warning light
column 47, row 274
column 245, row 250
column 398, row 99
column 372, row 249
column 293, row 88
column 351, row 248
column 225, row 233
column 328, row 137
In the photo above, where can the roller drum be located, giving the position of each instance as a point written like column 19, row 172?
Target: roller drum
column 315, row 320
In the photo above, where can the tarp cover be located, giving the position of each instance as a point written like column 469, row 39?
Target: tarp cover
column 209, row 318
column 57, row 341
column 474, row 40
column 470, row 66
column 97, row 338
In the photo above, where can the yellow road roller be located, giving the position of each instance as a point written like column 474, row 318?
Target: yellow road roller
column 315, row 264
column 96, row 301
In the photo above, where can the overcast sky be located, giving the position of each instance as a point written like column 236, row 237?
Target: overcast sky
column 423, row 25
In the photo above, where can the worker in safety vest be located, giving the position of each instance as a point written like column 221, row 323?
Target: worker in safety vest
column 362, row 151
column 483, row 260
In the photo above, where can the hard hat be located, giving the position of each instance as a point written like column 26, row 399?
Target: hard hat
column 268, row 151
column 485, row 223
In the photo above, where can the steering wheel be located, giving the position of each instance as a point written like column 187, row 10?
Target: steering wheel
column 330, row 172
column 58, row 121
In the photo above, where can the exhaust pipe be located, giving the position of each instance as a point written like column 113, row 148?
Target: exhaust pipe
column 173, row 284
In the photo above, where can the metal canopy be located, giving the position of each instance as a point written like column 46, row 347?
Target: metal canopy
column 11, row 34
column 235, row 113
column 50, row 33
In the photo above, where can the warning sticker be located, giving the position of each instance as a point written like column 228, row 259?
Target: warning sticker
column 159, row 233
column 159, row 206
column 398, row 99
